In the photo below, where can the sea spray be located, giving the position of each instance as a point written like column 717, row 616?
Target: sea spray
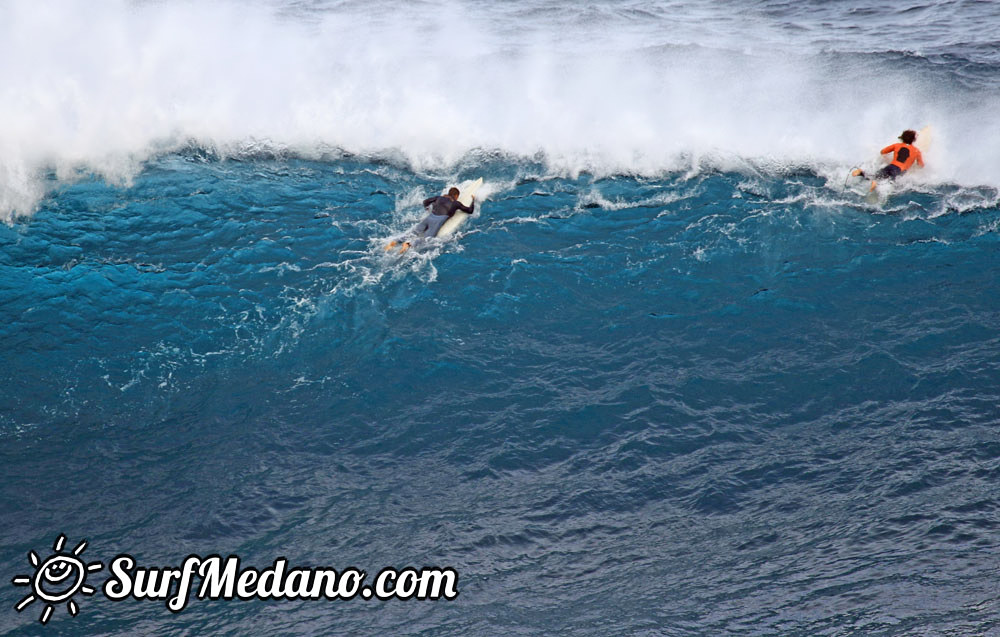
column 608, row 89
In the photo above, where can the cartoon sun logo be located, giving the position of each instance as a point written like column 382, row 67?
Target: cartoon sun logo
column 56, row 579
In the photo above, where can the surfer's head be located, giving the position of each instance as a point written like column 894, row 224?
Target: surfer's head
column 453, row 193
column 908, row 136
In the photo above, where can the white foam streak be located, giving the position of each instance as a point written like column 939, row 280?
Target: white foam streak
column 100, row 87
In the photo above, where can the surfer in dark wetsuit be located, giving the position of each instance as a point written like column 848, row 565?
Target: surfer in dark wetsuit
column 441, row 209
column 903, row 156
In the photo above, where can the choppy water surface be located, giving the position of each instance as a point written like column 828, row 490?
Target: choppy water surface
column 673, row 379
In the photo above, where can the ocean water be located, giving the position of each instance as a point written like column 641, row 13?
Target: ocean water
column 673, row 378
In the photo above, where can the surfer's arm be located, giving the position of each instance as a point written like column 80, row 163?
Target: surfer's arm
column 469, row 209
column 429, row 201
column 889, row 149
column 919, row 156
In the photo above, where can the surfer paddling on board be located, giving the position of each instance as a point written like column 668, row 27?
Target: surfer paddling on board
column 903, row 156
column 441, row 209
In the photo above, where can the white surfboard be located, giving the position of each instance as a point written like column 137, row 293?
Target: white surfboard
column 923, row 141
column 465, row 192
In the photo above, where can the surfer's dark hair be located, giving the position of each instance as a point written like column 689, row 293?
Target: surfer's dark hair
column 908, row 136
column 453, row 192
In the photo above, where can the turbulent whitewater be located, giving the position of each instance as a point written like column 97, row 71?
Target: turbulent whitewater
column 617, row 87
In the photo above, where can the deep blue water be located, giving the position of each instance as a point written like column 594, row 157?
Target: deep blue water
column 707, row 393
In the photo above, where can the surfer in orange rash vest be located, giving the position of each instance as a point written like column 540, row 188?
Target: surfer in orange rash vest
column 903, row 156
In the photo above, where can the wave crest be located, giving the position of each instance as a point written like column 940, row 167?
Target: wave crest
column 100, row 89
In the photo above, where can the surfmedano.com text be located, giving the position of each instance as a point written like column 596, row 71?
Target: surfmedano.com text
column 222, row 578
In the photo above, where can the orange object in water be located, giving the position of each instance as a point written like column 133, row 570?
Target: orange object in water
column 903, row 155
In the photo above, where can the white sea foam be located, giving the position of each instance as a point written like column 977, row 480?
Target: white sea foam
column 101, row 87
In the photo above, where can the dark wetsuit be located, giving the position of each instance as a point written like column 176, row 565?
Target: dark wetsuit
column 889, row 172
column 442, row 209
column 446, row 206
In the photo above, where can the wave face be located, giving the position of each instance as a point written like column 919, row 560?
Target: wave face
column 615, row 87
column 675, row 377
